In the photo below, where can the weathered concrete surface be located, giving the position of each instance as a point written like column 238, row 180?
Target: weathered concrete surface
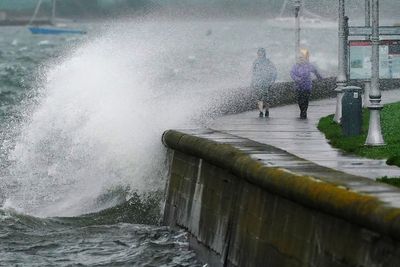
column 250, row 204
column 302, row 138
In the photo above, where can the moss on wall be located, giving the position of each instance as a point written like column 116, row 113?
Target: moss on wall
column 253, row 215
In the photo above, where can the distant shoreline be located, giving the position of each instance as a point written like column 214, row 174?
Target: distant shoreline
column 22, row 22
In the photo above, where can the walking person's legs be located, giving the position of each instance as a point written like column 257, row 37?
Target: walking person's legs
column 260, row 106
column 300, row 101
column 303, row 99
column 306, row 101
column 262, row 102
column 266, row 101
column 266, row 107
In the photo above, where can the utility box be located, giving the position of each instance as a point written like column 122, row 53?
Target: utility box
column 351, row 111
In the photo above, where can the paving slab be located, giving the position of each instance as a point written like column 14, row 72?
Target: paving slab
column 301, row 137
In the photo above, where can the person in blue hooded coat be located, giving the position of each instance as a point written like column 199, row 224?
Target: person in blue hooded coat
column 301, row 75
column 264, row 75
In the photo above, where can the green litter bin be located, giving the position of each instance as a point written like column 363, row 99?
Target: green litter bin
column 351, row 111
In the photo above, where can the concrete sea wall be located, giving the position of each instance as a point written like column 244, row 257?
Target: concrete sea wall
column 239, row 211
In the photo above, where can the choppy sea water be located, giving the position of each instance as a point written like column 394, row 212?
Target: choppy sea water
column 83, row 170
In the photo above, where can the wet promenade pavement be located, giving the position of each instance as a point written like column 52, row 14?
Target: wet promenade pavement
column 302, row 138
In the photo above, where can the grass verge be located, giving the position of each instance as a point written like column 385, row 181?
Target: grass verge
column 395, row 181
column 390, row 122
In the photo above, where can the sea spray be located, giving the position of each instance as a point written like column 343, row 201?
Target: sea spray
column 101, row 109
column 98, row 125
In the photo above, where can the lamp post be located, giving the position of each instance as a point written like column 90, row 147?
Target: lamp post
column 367, row 83
column 375, row 137
column 53, row 12
column 368, row 13
column 342, row 76
column 346, row 47
column 297, row 7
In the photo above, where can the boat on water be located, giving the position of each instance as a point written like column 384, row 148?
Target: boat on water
column 53, row 28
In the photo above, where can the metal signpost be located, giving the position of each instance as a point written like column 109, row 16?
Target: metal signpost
column 342, row 76
column 297, row 8
column 370, row 59
column 375, row 137
column 367, row 31
column 367, row 83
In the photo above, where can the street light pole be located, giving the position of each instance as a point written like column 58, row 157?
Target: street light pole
column 367, row 83
column 297, row 7
column 53, row 12
column 342, row 76
column 368, row 13
column 375, row 137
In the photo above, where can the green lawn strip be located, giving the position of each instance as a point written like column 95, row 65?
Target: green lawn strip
column 390, row 121
column 395, row 181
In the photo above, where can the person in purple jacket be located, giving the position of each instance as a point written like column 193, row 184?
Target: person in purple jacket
column 301, row 75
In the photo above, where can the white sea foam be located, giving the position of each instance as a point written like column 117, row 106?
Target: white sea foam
column 98, row 125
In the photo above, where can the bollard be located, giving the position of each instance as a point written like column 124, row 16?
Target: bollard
column 351, row 111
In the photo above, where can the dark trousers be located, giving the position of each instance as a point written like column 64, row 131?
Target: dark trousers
column 303, row 98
